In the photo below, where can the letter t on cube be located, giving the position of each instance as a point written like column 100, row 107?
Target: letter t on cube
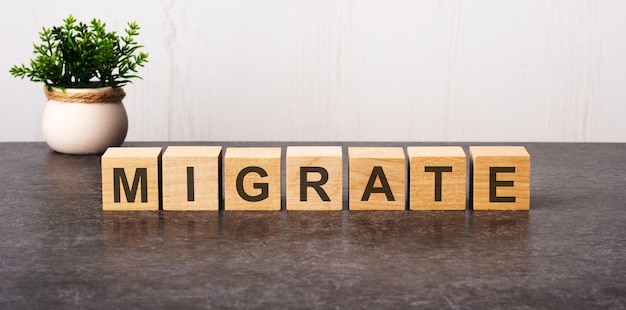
column 130, row 178
column 500, row 177
column 438, row 178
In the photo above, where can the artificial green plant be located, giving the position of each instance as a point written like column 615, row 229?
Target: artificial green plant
column 77, row 55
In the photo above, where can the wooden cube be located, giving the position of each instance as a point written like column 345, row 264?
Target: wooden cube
column 377, row 178
column 437, row 178
column 130, row 178
column 191, row 178
column 314, row 178
column 252, row 179
column 500, row 177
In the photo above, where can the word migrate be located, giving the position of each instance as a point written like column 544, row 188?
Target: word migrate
column 379, row 178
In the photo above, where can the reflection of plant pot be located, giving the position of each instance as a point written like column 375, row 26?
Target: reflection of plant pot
column 84, row 120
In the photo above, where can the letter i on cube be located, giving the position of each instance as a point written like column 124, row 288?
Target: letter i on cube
column 191, row 178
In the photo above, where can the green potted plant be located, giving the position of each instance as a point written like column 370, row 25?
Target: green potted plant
column 84, row 68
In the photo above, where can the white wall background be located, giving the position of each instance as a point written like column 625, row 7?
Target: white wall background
column 403, row 70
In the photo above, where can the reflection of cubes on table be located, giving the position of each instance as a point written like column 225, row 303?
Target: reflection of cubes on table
column 500, row 177
column 130, row 178
column 190, row 176
column 252, row 178
column 438, row 178
column 377, row 178
column 314, row 176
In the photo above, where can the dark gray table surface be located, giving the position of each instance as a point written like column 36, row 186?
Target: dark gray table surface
column 58, row 249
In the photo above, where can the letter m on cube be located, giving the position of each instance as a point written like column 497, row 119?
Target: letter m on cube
column 130, row 178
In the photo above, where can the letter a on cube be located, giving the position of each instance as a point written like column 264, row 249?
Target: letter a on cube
column 500, row 177
column 191, row 178
column 252, row 178
column 438, row 178
column 314, row 177
column 377, row 178
column 130, row 178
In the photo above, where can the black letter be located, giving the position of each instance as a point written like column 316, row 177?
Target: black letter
column 317, row 186
column 190, row 184
column 262, row 186
column 438, row 171
column 119, row 176
column 493, row 183
column 377, row 172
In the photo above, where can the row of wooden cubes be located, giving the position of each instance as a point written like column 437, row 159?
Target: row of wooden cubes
column 190, row 178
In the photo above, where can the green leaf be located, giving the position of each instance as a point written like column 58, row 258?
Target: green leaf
column 76, row 54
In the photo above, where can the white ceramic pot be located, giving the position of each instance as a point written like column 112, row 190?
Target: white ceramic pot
column 85, row 120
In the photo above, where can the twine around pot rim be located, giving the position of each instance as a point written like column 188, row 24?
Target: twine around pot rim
column 90, row 95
